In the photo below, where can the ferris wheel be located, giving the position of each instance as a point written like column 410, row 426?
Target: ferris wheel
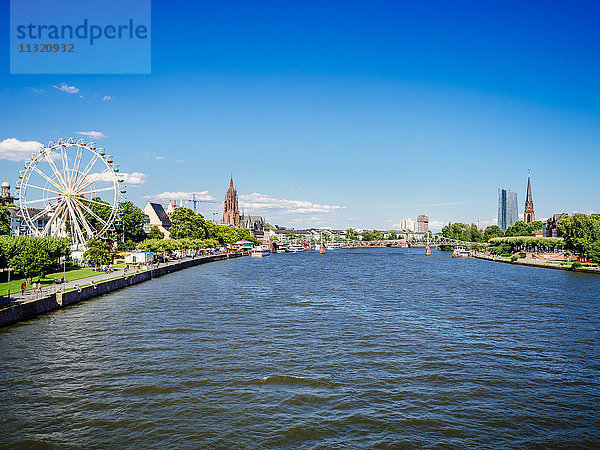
column 71, row 188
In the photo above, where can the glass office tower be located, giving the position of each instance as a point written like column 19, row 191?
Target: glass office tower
column 508, row 211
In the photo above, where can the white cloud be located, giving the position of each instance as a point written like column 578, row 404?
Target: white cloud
column 159, row 158
column 261, row 202
column 15, row 150
column 202, row 195
column 486, row 223
column 106, row 97
column 131, row 179
column 437, row 225
column 179, row 161
column 37, row 90
column 68, row 89
column 92, row 134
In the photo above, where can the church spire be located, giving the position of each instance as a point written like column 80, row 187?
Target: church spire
column 529, row 215
column 529, row 198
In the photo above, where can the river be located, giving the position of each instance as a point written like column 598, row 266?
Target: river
column 355, row 348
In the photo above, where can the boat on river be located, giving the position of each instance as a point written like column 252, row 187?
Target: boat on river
column 460, row 252
column 260, row 251
column 295, row 248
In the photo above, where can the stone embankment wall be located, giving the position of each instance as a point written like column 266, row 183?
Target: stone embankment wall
column 32, row 308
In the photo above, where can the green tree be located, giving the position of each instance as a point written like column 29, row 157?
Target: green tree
column 131, row 227
column 593, row 252
column 491, row 232
column 374, row 235
column 97, row 252
column 186, row 224
column 4, row 221
column 520, row 228
column 155, row 233
column 581, row 232
column 352, row 234
column 32, row 256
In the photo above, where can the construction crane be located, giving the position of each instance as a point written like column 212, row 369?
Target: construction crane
column 194, row 201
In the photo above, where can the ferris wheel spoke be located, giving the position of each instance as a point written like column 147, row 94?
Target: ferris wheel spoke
column 57, row 172
column 94, row 202
column 96, row 191
column 93, row 214
column 38, row 215
column 84, row 221
column 92, row 180
column 76, row 164
column 43, row 200
column 43, row 212
column 54, row 217
column 58, row 186
column 88, row 167
column 43, row 189
column 74, row 223
column 65, row 156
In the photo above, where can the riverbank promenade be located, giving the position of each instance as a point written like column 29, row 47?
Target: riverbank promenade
column 31, row 304
column 560, row 265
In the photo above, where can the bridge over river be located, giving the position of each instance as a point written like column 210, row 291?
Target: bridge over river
column 426, row 241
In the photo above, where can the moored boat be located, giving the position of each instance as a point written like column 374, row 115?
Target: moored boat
column 260, row 251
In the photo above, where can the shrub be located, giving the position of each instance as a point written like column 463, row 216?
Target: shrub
column 576, row 265
column 513, row 259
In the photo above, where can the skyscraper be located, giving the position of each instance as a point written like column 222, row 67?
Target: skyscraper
column 422, row 224
column 529, row 215
column 231, row 212
column 508, row 211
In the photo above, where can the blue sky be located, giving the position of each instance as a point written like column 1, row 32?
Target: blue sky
column 341, row 114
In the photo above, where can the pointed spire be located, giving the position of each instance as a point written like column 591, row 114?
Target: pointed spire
column 529, row 198
column 231, row 181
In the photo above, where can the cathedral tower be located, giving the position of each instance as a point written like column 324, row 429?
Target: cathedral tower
column 529, row 215
column 231, row 213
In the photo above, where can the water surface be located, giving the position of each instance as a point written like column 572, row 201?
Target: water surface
column 355, row 348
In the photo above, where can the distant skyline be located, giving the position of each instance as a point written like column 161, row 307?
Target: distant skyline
column 360, row 115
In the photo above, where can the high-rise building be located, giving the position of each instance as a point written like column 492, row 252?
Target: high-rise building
column 231, row 212
column 529, row 215
column 508, row 211
column 407, row 225
column 422, row 224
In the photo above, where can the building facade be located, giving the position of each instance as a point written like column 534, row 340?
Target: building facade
column 5, row 197
column 529, row 215
column 422, row 224
column 231, row 212
column 550, row 227
column 156, row 217
column 508, row 211
column 407, row 225
column 253, row 223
